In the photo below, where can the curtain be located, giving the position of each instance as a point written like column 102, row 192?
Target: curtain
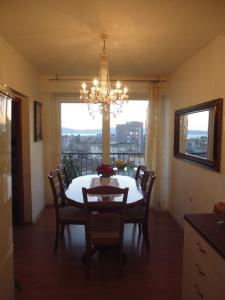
column 154, row 139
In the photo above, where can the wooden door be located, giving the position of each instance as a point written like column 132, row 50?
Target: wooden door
column 17, row 178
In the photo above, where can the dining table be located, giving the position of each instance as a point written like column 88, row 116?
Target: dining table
column 75, row 196
column 74, row 192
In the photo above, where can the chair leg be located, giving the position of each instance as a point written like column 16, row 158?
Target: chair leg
column 120, row 249
column 56, row 237
column 139, row 226
column 62, row 231
column 146, row 234
column 88, row 261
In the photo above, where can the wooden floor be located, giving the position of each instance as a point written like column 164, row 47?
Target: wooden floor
column 44, row 275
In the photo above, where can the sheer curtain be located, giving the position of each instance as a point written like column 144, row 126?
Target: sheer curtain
column 154, row 139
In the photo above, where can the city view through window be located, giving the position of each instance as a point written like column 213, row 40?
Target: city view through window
column 196, row 134
column 81, row 137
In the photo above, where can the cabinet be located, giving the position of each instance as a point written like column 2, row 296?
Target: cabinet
column 203, row 266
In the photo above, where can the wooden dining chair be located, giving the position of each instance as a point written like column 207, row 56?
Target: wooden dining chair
column 140, row 213
column 139, row 175
column 64, row 213
column 104, row 219
column 64, row 175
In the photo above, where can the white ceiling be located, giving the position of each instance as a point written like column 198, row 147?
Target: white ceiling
column 146, row 37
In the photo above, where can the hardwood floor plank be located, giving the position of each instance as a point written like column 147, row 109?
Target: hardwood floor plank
column 44, row 275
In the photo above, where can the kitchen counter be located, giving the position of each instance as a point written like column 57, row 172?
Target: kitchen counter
column 206, row 225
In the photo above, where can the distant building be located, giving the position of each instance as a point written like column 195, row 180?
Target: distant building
column 66, row 141
column 127, row 138
column 95, row 148
column 131, row 133
column 197, row 146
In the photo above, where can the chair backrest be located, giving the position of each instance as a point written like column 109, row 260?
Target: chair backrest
column 140, row 172
column 148, row 188
column 64, row 175
column 144, row 179
column 105, row 204
column 58, row 193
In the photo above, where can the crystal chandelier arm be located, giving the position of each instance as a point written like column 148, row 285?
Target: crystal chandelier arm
column 101, row 92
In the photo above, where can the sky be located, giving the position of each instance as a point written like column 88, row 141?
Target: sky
column 198, row 121
column 76, row 115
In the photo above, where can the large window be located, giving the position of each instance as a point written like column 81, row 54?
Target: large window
column 81, row 137
column 127, row 134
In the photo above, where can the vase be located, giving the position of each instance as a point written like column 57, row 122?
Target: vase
column 121, row 168
column 104, row 180
column 105, row 176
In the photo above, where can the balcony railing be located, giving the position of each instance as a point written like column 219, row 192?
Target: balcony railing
column 86, row 163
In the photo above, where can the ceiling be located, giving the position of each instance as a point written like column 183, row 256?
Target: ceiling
column 146, row 37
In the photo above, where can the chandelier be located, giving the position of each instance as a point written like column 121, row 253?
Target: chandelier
column 101, row 95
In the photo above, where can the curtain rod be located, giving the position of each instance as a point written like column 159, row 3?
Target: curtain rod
column 85, row 79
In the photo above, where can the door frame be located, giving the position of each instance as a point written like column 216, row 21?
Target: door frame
column 25, row 153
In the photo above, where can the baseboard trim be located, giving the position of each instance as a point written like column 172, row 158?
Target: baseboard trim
column 7, row 256
column 175, row 222
column 38, row 216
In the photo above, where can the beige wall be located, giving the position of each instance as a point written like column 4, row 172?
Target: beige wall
column 51, row 138
column 193, row 188
column 20, row 76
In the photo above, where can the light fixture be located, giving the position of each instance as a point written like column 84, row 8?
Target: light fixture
column 101, row 95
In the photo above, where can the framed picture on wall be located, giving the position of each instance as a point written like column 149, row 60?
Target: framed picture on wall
column 37, row 121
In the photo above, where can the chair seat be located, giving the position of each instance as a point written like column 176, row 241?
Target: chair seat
column 105, row 230
column 70, row 213
column 134, row 213
column 106, row 238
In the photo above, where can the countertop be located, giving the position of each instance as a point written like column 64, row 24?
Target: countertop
column 206, row 225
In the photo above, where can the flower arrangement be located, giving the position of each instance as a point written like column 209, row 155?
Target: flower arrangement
column 120, row 164
column 105, row 170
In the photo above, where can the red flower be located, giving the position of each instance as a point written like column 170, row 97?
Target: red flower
column 105, row 170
